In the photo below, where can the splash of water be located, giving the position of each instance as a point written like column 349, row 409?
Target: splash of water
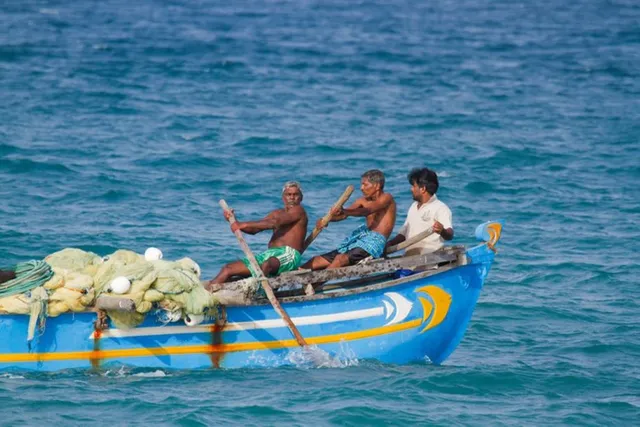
column 315, row 357
column 155, row 374
column 124, row 371
column 11, row 376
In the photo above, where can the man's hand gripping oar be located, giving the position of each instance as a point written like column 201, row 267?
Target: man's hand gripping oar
column 322, row 223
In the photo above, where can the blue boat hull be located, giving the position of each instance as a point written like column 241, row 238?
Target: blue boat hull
column 419, row 317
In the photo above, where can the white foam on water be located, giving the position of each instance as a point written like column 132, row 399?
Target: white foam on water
column 315, row 357
column 190, row 136
column 127, row 371
column 154, row 374
column 257, row 359
column 11, row 376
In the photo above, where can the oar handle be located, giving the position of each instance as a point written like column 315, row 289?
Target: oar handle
column 264, row 282
column 400, row 246
column 242, row 242
column 327, row 218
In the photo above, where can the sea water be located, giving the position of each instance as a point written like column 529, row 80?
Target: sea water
column 122, row 123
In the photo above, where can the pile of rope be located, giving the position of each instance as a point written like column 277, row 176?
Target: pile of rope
column 72, row 279
column 29, row 275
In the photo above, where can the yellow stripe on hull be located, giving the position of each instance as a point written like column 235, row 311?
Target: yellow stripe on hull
column 203, row 349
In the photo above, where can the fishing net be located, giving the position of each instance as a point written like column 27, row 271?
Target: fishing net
column 72, row 279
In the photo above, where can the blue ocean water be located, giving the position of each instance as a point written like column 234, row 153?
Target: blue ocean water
column 123, row 123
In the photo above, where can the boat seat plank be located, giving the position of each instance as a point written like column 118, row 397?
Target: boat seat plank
column 305, row 277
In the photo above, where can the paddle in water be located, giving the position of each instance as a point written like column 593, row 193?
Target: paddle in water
column 261, row 278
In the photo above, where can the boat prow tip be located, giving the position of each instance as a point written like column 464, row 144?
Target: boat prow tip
column 490, row 232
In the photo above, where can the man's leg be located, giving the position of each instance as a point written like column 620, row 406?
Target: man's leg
column 351, row 257
column 320, row 262
column 333, row 259
column 316, row 263
column 236, row 268
column 341, row 260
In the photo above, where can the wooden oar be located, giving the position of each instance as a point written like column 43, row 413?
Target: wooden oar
column 261, row 279
column 325, row 219
column 309, row 288
column 400, row 246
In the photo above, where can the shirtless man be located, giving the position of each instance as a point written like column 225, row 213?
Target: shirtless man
column 289, row 227
column 369, row 239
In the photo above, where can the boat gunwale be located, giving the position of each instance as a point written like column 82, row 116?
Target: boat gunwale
column 461, row 260
column 368, row 288
column 458, row 250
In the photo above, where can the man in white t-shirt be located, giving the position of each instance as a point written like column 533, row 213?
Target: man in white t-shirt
column 427, row 211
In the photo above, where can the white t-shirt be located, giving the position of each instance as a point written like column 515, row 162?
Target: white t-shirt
column 418, row 220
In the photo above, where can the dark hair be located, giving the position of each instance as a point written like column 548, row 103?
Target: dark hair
column 425, row 178
column 374, row 176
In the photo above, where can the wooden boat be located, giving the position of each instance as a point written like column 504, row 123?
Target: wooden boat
column 396, row 310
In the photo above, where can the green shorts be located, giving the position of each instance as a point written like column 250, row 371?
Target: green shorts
column 289, row 259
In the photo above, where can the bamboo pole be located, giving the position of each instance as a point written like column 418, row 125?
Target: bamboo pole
column 264, row 282
column 327, row 218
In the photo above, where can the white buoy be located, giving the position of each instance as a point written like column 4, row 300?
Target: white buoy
column 193, row 319
column 120, row 285
column 152, row 254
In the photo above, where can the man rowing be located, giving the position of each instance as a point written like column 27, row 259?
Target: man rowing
column 289, row 227
column 368, row 240
column 425, row 212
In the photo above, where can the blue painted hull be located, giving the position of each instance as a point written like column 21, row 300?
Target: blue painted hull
column 420, row 317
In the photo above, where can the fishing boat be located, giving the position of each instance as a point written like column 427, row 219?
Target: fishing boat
column 396, row 310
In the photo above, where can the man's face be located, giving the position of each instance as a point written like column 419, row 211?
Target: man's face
column 292, row 196
column 417, row 191
column 368, row 188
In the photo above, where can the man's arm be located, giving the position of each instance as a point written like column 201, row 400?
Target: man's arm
column 339, row 214
column 443, row 225
column 272, row 221
column 446, row 233
column 378, row 205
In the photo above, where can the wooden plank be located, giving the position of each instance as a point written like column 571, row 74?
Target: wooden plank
column 340, row 285
column 305, row 277
column 374, row 266
column 368, row 288
column 262, row 279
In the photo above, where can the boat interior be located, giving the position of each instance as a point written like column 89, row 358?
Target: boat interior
column 369, row 274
